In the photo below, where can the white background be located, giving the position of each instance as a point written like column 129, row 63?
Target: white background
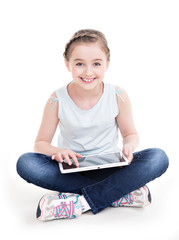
column 144, row 40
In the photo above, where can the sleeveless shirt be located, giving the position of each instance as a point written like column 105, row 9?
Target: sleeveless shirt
column 90, row 131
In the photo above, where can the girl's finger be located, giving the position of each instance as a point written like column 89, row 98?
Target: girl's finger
column 59, row 158
column 67, row 159
column 126, row 152
column 131, row 158
column 78, row 155
column 75, row 160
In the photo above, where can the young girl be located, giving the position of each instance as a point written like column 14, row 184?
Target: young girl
column 89, row 113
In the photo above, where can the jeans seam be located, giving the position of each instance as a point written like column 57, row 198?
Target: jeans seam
column 89, row 200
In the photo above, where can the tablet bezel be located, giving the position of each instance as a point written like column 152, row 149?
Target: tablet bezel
column 96, row 167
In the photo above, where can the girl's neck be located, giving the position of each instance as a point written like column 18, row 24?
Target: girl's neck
column 76, row 90
column 85, row 99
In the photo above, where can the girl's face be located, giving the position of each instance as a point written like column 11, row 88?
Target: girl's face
column 88, row 64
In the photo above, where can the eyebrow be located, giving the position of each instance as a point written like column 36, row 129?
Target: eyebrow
column 79, row 59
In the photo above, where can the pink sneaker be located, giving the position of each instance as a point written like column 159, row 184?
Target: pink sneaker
column 138, row 198
column 63, row 205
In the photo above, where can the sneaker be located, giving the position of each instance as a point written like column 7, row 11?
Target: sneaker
column 138, row 198
column 62, row 205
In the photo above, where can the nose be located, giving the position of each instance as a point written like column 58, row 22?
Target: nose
column 88, row 71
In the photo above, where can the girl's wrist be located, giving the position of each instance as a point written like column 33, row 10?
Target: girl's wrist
column 129, row 146
column 131, row 141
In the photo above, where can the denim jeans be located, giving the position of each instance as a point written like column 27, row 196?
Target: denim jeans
column 99, row 187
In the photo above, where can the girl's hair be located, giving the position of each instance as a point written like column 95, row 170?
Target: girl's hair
column 87, row 36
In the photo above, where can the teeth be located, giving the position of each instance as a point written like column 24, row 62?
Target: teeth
column 87, row 80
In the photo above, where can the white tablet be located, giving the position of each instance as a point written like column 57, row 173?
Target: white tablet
column 92, row 162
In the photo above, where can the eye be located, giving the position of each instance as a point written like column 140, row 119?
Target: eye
column 79, row 64
column 97, row 64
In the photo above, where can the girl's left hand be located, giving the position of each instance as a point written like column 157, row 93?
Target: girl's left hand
column 127, row 150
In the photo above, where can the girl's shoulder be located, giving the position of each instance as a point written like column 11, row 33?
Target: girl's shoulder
column 53, row 100
column 53, row 95
column 121, row 95
column 56, row 97
column 118, row 91
column 114, row 87
column 57, row 94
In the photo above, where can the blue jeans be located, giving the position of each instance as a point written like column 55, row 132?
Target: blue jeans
column 99, row 187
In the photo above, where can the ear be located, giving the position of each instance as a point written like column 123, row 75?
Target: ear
column 67, row 65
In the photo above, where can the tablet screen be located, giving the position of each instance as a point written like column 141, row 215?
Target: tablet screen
column 92, row 161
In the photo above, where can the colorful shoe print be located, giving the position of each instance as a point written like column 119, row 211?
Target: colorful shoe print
column 63, row 205
column 138, row 198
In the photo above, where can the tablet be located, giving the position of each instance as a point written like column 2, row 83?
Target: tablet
column 94, row 162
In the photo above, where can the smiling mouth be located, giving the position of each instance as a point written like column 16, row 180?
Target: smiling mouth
column 88, row 80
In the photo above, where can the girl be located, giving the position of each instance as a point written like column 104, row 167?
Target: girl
column 89, row 113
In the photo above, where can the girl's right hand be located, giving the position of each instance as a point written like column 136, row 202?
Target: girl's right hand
column 66, row 154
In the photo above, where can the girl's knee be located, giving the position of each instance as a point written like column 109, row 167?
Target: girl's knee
column 155, row 159
column 154, row 162
column 158, row 160
column 23, row 164
column 162, row 157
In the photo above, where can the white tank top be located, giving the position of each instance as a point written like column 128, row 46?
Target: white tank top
column 90, row 131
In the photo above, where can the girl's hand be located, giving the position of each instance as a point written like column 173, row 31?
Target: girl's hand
column 66, row 154
column 127, row 150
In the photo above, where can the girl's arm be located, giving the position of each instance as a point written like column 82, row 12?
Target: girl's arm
column 46, row 132
column 126, row 125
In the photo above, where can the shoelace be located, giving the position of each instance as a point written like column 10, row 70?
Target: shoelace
column 64, row 210
column 62, row 196
column 127, row 199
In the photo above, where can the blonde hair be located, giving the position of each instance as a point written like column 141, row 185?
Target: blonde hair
column 87, row 36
